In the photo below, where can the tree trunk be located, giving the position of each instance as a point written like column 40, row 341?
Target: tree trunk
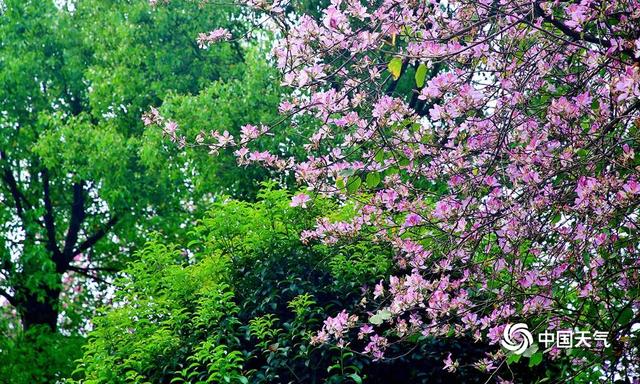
column 35, row 312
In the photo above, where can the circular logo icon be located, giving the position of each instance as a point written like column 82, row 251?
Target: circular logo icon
column 516, row 338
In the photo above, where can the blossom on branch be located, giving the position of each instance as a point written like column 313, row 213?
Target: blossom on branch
column 206, row 39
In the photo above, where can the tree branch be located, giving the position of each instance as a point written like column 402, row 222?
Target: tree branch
column 12, row 184
column 89, row 269
column 93, row 239
column 49, row 219
column 578, row 36
column 86, row 273
column 77, row 217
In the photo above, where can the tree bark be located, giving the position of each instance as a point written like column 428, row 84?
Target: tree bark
column 40, row 312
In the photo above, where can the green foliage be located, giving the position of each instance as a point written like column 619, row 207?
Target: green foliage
column 421, row 75
column 249, row 98
column 301, row 304
column 237, row 303
column 358, row 263
column 395, row 67
column 264, row 328
column 37, row 356
column 240, row 299
column 175, row 319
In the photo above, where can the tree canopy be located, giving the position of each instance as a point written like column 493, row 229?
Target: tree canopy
column 83, row 184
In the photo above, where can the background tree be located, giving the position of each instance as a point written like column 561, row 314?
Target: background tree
column 81, row 182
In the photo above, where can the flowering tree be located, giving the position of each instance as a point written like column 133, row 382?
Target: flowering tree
column 491, row 144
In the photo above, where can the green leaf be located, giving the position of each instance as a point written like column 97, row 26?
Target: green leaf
column 513, row 358
column 421, row 75
column 535, row 359
column 346, row 172
column 395, row 67
column 625, row 316
column 353, row 183
column 356, row 378
column 393, row 170
column 379, row 156
column 373, row 179
column 380, row 317
column 530, row 351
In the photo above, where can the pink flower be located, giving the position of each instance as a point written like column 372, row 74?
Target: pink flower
column 170, row 128
column 632, row 187
column 151, row 117
column 300, row 200
column 482, row 161
column 600, row 239
column 320, row 338
column 495, row 334
column 376, row 347
column 583, row 100
column 585, row 291
column 450, row 365
column 378, row 291
column 333, row 18
column 285, row 106
column 436, row 112
column 224, row 139
column 249, row 132
column 412, row 220
column 365, row 330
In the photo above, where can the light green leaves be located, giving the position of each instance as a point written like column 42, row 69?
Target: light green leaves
column 380, row 317
column 535, row 359
column 530, row 351
column 513, row 358
column 395, row 67
column 421, row 75
column 353, row 184
column 379, row 158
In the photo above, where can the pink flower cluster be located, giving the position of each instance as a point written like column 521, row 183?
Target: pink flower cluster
column 206, row 39
column 535, row 154
column 508, row 181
